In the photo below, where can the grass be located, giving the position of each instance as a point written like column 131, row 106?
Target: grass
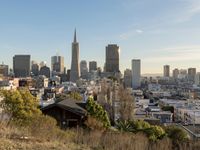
column 41, row 135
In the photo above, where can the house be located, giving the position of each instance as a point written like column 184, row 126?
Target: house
column 164, row 116
column 68, row 113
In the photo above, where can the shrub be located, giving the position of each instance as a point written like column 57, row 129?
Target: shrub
column 140, row 125
column 125, row 126
column 96, row 111
column 155, row 132
column 176, row 134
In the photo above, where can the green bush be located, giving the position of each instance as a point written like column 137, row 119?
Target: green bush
column 155, row 132
column 96, row 110
column 176, row 134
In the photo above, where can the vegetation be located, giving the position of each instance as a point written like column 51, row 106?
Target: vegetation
column 76, row 96
column 96, row 111
column 176, row 134
column 154, row 133
column 126, row 109
column 41, row 132
column 20, row 105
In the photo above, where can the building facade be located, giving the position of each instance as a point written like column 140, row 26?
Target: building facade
column 21, row 65
column 128, row 78
column 197, row 79
column 57, row 64
column 92, row 66
column 175, row 73
column 4, row 70
column 136, row 73
column 112, row 58
column 35, row 68
column 45, row 71
column 166, row 71
column 84, row 69
column 191, row 74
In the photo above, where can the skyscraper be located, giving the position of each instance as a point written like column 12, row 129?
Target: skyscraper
column 112, row 58
column 21, row 65
column 45, row 71
column 136, row 73
column 4, row 70
column 191, row 74
column 57, row 64
column 75, row 66
column 128, row 78
column 84, row 69
column 92, row 66
column 166, row 71
column 34, row 68
column 175, row 73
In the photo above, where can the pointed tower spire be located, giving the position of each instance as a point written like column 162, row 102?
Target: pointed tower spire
column 75, row 36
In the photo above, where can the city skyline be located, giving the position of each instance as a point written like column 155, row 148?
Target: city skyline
column 167, row 35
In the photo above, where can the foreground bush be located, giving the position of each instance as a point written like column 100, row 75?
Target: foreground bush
column 154, row 133
column 176, row 134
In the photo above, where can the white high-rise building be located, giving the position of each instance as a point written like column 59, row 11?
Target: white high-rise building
column 136, row 73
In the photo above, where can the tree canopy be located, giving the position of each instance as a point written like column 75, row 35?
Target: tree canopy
column 20, row 105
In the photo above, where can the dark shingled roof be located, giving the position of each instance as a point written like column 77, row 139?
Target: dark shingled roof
column 70, row 105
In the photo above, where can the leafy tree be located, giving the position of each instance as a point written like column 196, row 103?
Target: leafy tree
column 20, row 105
column 96, row 111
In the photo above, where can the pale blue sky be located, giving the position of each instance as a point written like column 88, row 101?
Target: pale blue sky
column 158, row 32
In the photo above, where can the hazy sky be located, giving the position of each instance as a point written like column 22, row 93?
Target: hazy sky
column 158, row 32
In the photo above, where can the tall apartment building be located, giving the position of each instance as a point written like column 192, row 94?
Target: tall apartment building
column 166, row 71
